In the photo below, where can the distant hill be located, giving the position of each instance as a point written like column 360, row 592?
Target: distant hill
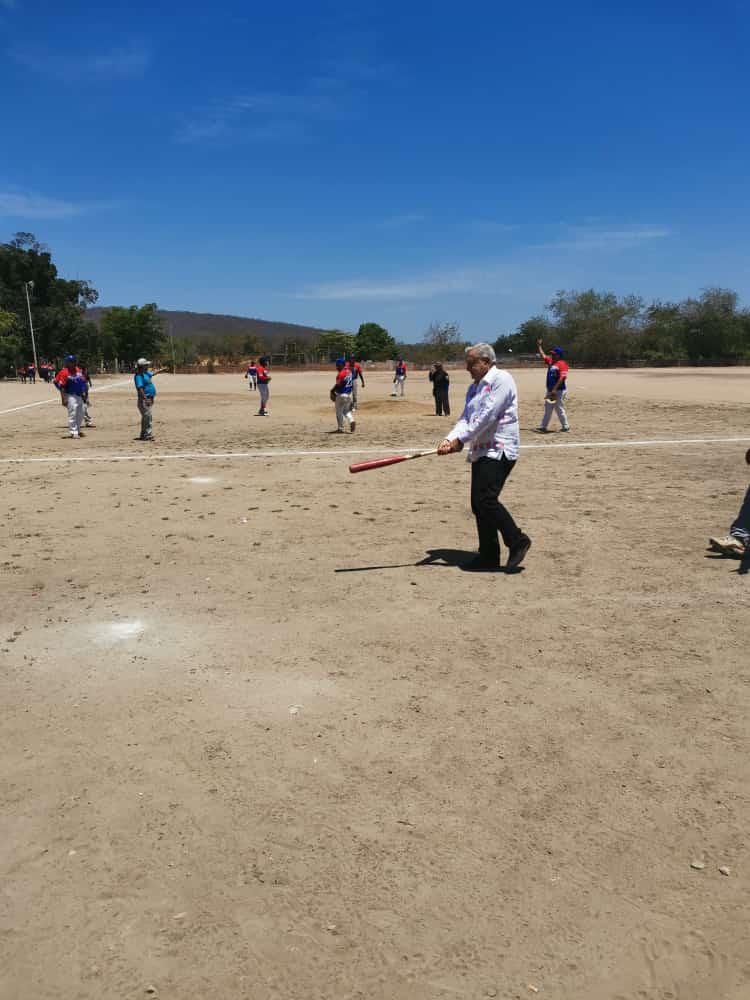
column 191, row 324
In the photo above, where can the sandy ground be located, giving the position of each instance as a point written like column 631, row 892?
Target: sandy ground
column 263, row 737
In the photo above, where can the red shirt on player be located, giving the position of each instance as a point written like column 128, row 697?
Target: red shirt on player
column 557, row 369
column 344, row 379
column 263, row 376
column 562, row 366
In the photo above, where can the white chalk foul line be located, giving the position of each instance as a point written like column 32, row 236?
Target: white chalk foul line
column 147, row 456
column 56, row 399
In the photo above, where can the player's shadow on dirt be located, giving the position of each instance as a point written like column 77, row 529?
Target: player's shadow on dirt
column 456, row 558
column 742, row 570
column 460, row 559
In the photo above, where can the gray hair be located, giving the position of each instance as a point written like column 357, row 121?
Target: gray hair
column 484, row 351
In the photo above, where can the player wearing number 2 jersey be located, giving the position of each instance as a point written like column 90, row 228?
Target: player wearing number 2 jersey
column 341, row 395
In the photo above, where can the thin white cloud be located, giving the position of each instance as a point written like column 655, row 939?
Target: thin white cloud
column 531, row 271
column 24, row 205
column 124, row 62
column 601, row 238
column 253, row 115
column 417, row 287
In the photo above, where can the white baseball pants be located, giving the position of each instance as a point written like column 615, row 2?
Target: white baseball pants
column 75, row 414
column 559, row 408
column 344, row 410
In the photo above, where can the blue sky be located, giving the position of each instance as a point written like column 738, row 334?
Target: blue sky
column 335, row 163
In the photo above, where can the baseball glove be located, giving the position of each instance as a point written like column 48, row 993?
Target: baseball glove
column 551, row 397
column 332, row 394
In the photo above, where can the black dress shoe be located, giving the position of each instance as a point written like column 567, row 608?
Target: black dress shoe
column 517, row 552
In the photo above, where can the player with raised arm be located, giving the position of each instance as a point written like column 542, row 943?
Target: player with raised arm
column 557, row 388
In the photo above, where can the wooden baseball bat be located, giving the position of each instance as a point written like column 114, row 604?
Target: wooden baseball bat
column 380, row 463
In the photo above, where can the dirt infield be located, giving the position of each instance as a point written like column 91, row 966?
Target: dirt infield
column 263, row 737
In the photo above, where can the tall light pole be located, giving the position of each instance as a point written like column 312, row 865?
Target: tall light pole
column 27, row 285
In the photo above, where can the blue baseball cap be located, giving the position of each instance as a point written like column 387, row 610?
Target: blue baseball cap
column 70, row 357
column 340, row 361
column 558, row 351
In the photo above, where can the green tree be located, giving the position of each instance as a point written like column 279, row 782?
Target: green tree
column 335, row 343
column 135, row 332
column 714, row 326
column 58, row 305
column 205, row 345
column 445, row 340
column 663, row 336
column 10, row 343
column 523, row 341
column 8, row 321
column 185, row 351
column 374, row 343
column 597, row 326
column 251, row 346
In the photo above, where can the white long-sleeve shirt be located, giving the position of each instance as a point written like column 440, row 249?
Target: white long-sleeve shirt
column 490, row 417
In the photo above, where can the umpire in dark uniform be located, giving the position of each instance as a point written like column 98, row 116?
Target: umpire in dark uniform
column 441, row 381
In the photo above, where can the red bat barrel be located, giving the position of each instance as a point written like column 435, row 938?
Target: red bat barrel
column 378, row 463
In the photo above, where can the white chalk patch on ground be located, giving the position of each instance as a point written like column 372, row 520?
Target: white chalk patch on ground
column 202, row 480
column 111, row 633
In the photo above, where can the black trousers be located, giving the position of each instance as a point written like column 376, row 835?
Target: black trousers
column 742, row 525
column 442, row 403
column 488, row 477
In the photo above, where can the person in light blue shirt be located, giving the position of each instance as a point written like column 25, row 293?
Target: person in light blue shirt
column 146, row 390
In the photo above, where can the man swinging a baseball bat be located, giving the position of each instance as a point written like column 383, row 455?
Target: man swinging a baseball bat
column 489, row 425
